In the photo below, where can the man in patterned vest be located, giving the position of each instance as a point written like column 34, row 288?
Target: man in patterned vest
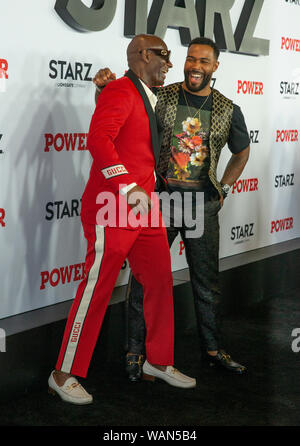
column 197, row 122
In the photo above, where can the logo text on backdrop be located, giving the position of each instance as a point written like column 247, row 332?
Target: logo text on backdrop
column 2, row 216
column 210, row 18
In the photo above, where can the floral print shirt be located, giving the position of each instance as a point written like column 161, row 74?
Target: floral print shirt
column 189, row 162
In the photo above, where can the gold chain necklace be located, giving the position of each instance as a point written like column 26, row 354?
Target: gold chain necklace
column 198, row 111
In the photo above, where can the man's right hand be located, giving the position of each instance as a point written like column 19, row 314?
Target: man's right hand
column 104, row 77
column 139, row 200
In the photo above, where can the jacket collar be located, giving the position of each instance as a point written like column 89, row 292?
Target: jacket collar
column 149, row 110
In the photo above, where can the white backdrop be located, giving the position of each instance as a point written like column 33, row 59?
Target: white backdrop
column 45, row 115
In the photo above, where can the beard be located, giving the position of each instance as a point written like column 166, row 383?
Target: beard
column 205, row 81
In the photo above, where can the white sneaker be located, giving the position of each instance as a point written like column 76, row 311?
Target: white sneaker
column 171, row 375
column 71, row 391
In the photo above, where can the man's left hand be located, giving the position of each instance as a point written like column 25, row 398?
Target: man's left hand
column 103, row 77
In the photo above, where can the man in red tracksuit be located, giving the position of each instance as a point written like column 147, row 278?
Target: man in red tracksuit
column 124, row 143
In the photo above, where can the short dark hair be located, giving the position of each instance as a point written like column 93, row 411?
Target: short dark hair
column 206, row 41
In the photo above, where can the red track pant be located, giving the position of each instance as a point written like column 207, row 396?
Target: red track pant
column 148, row 253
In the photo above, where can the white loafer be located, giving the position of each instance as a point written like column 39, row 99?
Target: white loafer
column 171, row 375
column 71, row 391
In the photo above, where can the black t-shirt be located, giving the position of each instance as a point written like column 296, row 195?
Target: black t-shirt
column 190, row 154
column 238, row 138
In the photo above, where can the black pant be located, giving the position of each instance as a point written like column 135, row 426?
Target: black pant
column 202, row 256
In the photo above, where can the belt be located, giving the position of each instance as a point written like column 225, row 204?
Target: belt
column 199, row 185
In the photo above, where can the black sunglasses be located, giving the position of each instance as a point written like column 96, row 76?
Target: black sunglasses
column 165, row 54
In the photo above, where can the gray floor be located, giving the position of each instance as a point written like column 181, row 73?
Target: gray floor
column 57, row 312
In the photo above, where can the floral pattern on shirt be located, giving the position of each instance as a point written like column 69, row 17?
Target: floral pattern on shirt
column 189, row 151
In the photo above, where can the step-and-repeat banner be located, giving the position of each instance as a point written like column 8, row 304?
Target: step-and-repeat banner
column 49, row 52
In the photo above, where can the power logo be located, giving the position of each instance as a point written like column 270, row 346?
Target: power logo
column 2, row 216
column 287, row 136
column 289, row 44
column 3, row 75
column 248, row 185
column 68, row 142
column 3, row 69
column 250, row 87
column 282, row 225
column 62, row 275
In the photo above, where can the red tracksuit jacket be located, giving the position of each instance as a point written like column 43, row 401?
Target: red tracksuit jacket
column 121, row 143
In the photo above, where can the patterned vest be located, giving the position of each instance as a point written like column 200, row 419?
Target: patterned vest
column 221, row 116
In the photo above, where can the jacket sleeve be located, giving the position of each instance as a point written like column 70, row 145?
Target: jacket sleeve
column 112, row 110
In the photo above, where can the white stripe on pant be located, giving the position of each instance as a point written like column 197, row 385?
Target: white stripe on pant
column 85, row 301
